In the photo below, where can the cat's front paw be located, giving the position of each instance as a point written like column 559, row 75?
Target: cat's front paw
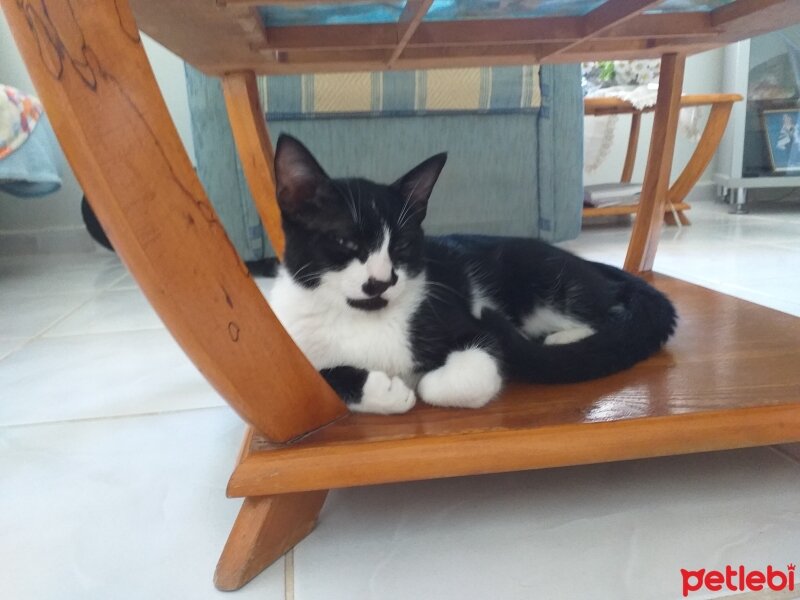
column 468, row 379
column 384, row 395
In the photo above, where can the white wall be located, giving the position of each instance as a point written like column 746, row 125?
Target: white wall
column 703, row 75
column 60, row 212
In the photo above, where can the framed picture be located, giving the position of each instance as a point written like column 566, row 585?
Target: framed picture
column 782, row 128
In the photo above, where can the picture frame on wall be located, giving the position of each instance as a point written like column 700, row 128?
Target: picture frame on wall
column 782, row 130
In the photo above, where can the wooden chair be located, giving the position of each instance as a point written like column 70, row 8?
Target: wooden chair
column 728, row 379
column 721, row 105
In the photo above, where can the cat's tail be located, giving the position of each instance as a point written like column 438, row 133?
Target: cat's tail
column 639, row 327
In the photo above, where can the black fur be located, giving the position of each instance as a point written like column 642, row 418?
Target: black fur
column 330, row 222
column 346, row 381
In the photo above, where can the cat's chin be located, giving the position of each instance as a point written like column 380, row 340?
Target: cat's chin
column 369, row 304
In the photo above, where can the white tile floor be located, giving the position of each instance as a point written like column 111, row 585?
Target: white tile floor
column 114, row 454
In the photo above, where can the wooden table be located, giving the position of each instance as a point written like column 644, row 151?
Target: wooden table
column 676, row 205
column 729, row 379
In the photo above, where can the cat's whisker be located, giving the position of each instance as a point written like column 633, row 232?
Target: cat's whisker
column 407, row 202
column 351, row 204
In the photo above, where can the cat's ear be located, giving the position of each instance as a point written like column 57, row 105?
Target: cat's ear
column 298, row 175
column 415, row 187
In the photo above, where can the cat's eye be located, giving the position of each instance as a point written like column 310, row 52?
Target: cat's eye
column 345, row 243
column 401, row 246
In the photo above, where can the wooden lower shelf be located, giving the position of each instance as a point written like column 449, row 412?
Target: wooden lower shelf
column 625, row 209
column 729, row 378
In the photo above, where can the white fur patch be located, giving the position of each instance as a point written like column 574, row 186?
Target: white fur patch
column 384, row 395
column 568, row 336
column 545, row 320
column 379, row 265
column 468, row 379
column 480, row 298
column 332, row 334
column 479, row 301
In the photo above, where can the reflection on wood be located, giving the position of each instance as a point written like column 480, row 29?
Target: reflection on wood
column 728, row 378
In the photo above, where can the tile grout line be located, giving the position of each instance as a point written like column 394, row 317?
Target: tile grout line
column 288, row 575
column 114, row 417
column 47, row 328
column 786, row 455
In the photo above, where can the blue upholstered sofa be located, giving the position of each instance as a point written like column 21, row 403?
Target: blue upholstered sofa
column 515, row 154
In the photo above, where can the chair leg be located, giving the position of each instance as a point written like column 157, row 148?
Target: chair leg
column 266, row 528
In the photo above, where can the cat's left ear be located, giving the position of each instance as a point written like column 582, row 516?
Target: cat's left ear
column 416, row 186
column 298, row 176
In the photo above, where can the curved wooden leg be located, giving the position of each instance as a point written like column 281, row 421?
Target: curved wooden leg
column 91, row 72
column 650, row 214
column 633, row 144
column 266, row 528
column 255, row 150
column 703, row 153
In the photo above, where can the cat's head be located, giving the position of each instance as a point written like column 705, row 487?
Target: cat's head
column 356, row 241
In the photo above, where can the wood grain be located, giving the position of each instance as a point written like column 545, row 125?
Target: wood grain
column 266, row 528
column 650, row 216
column 91, row 72
column 255, row 151
column 728, row 379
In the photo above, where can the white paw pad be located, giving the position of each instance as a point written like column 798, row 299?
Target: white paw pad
column 384, row 395
column 468, row 379
column 568, row 336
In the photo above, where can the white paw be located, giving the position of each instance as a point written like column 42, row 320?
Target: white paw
column 384, row 395
column 468, row 379
column 568, row 336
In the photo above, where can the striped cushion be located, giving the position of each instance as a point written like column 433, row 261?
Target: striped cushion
column 401, row 93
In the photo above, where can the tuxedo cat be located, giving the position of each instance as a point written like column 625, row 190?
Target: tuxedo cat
column 388, row 315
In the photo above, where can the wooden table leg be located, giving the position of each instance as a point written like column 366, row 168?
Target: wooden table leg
column 93, row 77
column 267, row 527
column 650, row 215
column 255, row 150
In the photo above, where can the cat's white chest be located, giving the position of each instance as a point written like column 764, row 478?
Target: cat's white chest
column 332, row 334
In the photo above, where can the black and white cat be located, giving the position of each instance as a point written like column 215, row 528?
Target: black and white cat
column 387, row 314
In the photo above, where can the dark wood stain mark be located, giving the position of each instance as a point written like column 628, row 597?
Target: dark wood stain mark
column 54, row 51
column 227, row 297
column 126, row 21
column 51, row 43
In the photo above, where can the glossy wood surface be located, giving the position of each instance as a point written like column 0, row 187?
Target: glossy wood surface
column 234, row 37
column 729, row 378
column 92, row 75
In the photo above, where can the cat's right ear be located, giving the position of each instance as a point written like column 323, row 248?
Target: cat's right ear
column 298, row 175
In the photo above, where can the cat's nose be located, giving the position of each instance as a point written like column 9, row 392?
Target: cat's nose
column 375, row 287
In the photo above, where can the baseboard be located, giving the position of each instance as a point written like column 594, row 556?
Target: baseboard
column 702, row 192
